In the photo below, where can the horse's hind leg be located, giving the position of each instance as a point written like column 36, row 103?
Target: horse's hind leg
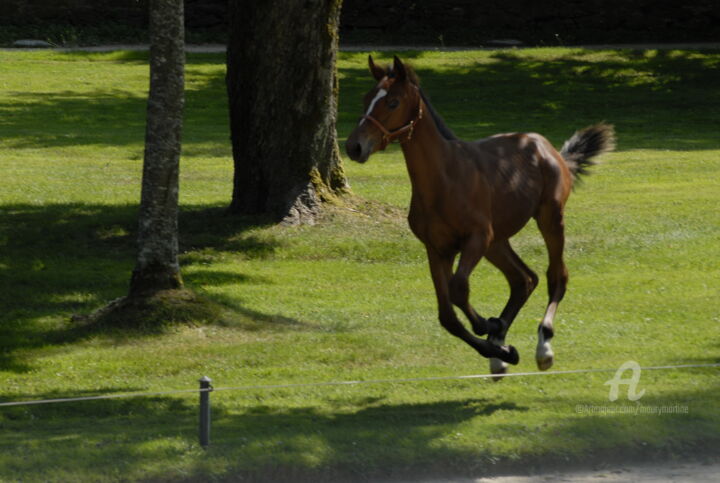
column 441, row 270
column 522, row 281
column 551, row 224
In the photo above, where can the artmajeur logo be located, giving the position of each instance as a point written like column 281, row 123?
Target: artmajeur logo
column 628, row 375
column 631, row 382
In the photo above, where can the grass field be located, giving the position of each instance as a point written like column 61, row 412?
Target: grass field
column 351, row 298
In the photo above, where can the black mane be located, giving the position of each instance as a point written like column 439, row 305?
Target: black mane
column 412, row 76
column 445, row 131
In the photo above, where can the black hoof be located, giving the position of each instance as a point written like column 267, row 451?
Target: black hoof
column 509, row 354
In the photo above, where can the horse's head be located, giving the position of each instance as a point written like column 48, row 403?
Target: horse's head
column 392, row 108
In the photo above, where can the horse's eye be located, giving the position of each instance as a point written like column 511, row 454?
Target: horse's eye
column 393, row 103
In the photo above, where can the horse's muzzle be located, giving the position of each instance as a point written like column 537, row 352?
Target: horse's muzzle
column 358, row 151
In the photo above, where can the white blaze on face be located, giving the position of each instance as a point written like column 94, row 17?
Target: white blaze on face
column 380, row 94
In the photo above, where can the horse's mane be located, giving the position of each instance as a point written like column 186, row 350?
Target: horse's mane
column 444, row 129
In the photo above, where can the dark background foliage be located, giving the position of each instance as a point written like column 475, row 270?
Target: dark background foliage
column 430, row 22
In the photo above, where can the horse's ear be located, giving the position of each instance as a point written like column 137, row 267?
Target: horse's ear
column 399, row 69
column 377, row 72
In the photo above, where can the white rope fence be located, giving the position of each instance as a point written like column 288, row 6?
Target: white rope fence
column 206, row 388
column 97, row 398
column 342, row 383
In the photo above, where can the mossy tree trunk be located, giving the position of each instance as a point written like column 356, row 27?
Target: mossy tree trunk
column 157, row 265
column 282, row 86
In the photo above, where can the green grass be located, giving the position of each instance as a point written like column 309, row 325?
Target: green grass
column 351, row 298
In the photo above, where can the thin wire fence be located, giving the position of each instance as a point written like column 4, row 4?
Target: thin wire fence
column 343, row 383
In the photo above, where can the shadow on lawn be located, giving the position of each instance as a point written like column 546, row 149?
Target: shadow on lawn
column 115, row 116
column 267, row 443
column 656, row 99
column 156, row 437
column 414, row 442
column 62, row 259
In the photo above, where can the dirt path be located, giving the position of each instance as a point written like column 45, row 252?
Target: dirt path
column 656, row 473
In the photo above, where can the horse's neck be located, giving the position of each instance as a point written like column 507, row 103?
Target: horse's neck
column 426, row 158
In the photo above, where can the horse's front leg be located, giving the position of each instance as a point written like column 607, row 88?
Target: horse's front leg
column 441, row 270
column 470, row 255
column 522, row 282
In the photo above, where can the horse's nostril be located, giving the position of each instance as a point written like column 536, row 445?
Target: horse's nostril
column 354, row 150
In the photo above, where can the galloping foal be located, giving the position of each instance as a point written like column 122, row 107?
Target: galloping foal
column 470, row 197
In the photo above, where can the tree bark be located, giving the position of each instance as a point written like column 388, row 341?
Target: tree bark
column 157, row 266
column 282, row 87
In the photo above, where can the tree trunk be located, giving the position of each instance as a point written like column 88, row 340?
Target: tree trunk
column 282, row 87
column 157, row 265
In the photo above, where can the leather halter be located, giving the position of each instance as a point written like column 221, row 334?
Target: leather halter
column 390, row 136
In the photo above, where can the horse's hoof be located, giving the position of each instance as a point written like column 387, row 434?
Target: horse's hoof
column 544, row 356
column 498, row 368
column 510, row 355
column 545, row 363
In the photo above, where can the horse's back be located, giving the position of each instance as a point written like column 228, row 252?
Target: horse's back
column 524, row 170
column 524, row 155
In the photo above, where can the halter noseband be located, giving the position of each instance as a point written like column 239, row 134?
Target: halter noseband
column 390, row 136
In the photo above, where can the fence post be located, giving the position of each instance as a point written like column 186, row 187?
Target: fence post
column 205, row 389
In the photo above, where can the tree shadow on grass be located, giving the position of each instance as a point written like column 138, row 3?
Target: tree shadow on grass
column 413, row 441
column 377, row 439
column 102, row 439
column 269, row 443
column 657, row 99
column 62, row 259
column 367, row 439
column 115, row 115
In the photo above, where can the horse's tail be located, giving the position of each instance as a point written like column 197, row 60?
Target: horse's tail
column 585, row 145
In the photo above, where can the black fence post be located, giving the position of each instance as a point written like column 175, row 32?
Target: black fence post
column 205, row 389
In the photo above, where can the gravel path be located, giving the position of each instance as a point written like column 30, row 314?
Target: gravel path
column 658, row 473
column 690, row 472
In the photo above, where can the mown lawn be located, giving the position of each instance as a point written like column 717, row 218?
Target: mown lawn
column 350, row 298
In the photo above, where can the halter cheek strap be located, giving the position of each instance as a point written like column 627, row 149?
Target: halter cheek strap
column 390, row 136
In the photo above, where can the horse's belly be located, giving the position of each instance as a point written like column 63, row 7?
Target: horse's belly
column 511, row 214
column 434, row 231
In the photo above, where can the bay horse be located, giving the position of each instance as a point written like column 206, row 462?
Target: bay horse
column 470, row 197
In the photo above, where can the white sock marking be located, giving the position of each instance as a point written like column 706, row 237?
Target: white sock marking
column 544, row 349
